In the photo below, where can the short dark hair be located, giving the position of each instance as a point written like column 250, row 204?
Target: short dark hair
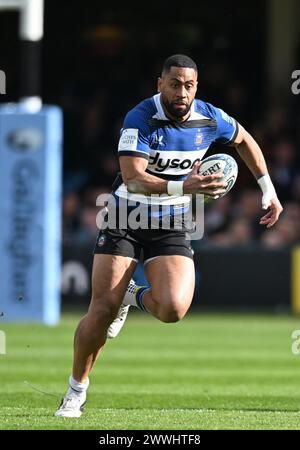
column 179, row 61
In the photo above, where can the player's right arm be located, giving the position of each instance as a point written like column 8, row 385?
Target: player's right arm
column 139, row 181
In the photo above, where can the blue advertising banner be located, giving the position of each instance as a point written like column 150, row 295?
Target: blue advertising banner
column 30, row 214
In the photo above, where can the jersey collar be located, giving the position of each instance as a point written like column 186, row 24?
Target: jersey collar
column 161, row 115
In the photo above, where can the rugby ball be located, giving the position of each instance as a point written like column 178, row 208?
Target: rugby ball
column 220, row 163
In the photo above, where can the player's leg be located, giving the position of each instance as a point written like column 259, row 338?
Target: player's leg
column 110, row 278
column 172, row 280
column 119, row 242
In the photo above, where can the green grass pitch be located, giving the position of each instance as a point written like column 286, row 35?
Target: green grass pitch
column 210, row 371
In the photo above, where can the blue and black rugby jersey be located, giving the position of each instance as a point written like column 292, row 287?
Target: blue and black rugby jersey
column 172, row 148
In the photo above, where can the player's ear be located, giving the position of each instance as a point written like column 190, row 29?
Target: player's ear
column 159, row 82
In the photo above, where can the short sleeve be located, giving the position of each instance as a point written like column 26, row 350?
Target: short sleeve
column 227, row 127
column 134, row 138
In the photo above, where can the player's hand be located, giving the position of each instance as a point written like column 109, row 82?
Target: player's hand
column 275, row 209
column 203, row 184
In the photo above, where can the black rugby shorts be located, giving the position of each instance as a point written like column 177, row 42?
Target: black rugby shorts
column 145, row 243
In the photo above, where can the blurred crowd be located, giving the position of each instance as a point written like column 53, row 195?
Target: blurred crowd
column 90, row 162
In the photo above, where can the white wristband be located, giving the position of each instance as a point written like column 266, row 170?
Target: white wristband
column 266, row 185
column 175, row 187
column 268, row 190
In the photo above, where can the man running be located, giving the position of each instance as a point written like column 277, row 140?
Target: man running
column 162, row 142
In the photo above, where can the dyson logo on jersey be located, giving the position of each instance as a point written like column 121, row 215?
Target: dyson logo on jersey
column 162, row 164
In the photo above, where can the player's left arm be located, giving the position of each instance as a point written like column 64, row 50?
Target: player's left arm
column 251, row 153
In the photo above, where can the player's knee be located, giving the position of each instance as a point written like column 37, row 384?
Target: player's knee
column 102, row 312
column 172, row 313
column 171, row 307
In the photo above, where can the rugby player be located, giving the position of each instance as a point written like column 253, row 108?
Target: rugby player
column 162, row 142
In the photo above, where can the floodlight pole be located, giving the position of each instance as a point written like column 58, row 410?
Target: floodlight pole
column 31, row 27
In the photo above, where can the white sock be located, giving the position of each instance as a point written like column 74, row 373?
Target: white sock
column 133, row 295
column 78, row 387
column 129, row 298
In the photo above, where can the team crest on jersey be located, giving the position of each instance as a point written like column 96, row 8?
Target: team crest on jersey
column 198, row 138
column 101, row 241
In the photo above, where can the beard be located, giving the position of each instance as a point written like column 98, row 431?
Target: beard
column 173, row 110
